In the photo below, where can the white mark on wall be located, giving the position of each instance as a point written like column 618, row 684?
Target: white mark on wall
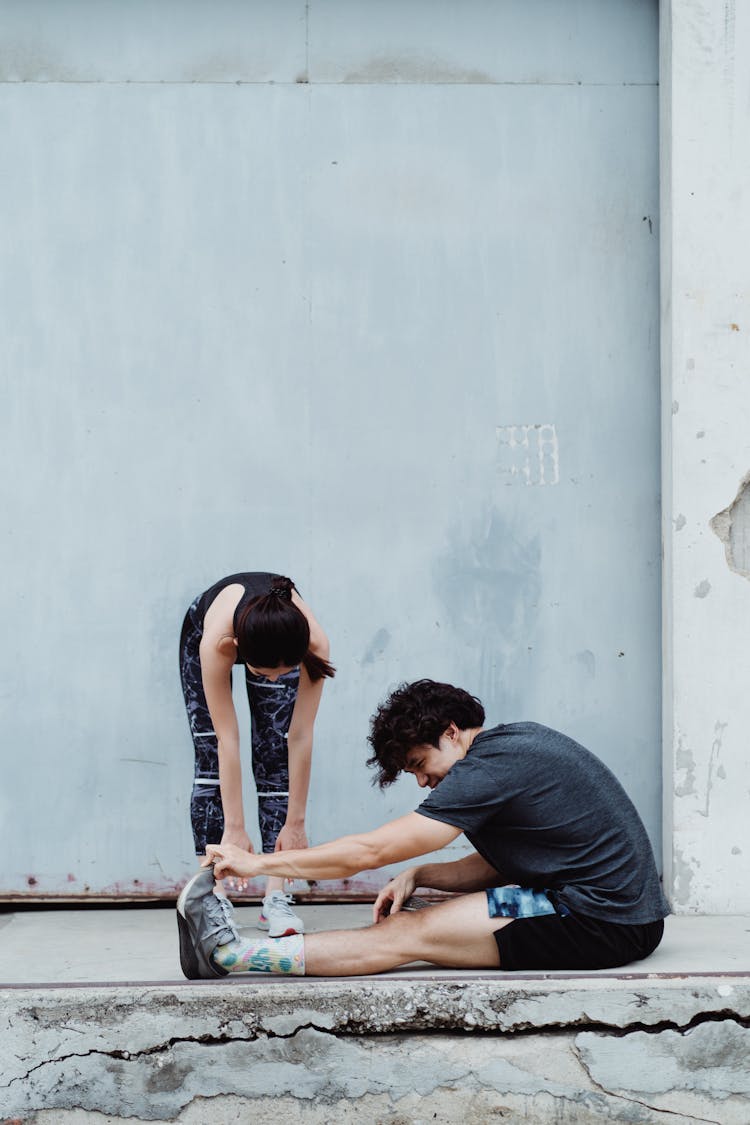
column 729, row 56
column 719, row 729
column 528, row 454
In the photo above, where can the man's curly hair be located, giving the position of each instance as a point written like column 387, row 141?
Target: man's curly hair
column 416, row 715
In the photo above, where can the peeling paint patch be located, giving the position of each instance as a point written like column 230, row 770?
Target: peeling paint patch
column 732, row 526
column 683, row 877
column 703, row 589
column 685, row 761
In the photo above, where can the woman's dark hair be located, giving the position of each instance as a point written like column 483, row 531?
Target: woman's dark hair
column 416, row 715
column 272, row 631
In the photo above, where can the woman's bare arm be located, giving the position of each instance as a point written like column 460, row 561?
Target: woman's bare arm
column 300, row 737
column 217, row 654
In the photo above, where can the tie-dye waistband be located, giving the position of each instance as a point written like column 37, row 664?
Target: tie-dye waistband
column 520, row 902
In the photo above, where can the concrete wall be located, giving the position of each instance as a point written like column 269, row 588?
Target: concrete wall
column 706, row 451
column 365, row 292
column 396, row 1052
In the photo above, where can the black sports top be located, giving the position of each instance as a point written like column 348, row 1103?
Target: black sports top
column 255, row 582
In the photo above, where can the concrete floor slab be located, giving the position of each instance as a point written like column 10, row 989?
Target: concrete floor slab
column 140, row 945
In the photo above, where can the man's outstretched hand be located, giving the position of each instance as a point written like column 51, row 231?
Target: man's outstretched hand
column 230, row 860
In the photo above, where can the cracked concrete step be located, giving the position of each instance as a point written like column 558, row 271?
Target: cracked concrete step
column 590, row 1049
column 665, row 1040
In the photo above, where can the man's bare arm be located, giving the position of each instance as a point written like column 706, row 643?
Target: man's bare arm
column 472, row 873
column 406, row 838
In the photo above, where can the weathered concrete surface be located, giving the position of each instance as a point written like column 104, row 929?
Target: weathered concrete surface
column 582, row 1049
column 448, row 1106
column 353, row 202
column 705, row 229
column 664, row 1042
column 446, row 1078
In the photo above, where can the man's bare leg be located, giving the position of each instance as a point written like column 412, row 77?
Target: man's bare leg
column 456, row 934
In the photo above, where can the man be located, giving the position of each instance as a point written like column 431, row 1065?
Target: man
column 562, row 875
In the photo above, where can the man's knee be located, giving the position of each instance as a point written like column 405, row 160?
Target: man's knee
column 408, row 925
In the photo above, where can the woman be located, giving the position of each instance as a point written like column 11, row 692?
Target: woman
column 257, row 619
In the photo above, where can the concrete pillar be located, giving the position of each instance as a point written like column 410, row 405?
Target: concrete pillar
column 705, row 153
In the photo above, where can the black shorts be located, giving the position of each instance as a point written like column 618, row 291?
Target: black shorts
column 574, row 941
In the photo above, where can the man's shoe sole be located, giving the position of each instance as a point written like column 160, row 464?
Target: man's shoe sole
column 188, row 960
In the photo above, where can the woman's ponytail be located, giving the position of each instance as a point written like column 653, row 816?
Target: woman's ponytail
column 316, row 667
column 281, row 588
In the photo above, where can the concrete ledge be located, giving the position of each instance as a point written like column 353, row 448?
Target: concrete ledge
column 415, row 1046
column 565, row 1050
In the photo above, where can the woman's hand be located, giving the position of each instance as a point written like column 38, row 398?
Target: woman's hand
column 238, row 837
column 394, row 894
column 291, row 836
column 230, row 860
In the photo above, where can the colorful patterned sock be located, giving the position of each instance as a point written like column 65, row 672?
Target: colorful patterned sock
column 263, row 955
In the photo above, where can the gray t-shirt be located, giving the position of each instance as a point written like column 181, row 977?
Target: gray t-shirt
column 547, row 814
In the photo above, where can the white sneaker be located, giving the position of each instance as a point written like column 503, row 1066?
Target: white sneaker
column 277, row 916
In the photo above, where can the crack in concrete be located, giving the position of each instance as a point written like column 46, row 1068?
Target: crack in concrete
column 583, row 1023
column 161, row 1048
column 631, row 1100
column 263, row 1034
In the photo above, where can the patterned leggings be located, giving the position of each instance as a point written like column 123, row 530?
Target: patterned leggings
column 271, row 706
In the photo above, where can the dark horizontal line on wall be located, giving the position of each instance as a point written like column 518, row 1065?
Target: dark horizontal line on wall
column 300, row 82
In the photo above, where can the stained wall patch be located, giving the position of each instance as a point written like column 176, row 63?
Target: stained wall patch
column 528, row 454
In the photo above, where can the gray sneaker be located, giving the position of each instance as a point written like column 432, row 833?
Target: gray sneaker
column 203, row 921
